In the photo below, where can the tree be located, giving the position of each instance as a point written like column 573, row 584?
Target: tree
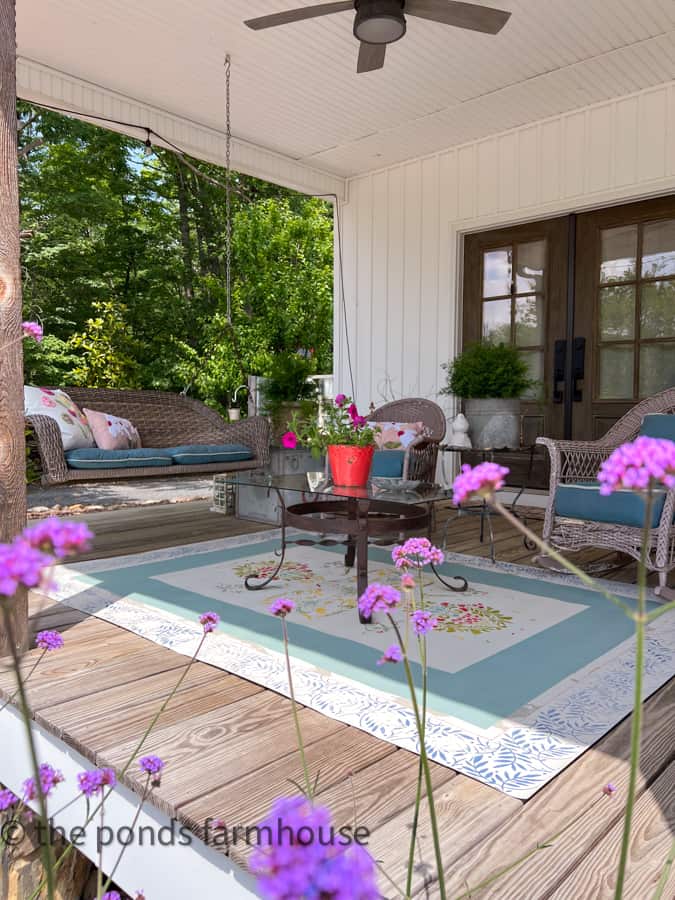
column 124, row 263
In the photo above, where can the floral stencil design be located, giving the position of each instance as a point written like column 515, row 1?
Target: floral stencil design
column 469, row 618
column 291, row 571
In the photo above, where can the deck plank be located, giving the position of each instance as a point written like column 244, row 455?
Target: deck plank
column 335, row 759
column 95, row 726
column 572, row 801
column 230, row 747
column 651, row 841
column 254, row 730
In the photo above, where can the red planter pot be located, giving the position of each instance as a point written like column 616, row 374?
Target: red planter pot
column 350, row 466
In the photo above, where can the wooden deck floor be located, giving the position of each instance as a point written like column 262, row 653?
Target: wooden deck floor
column 231, row 749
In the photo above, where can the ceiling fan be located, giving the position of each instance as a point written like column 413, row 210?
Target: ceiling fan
column 381, row 22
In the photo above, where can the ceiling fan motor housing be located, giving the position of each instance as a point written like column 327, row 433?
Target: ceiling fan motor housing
column 379, row 21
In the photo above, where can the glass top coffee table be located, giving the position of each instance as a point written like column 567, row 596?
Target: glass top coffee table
column 386, row 508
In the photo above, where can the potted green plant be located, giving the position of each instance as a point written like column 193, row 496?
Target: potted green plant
column 287, row 392
column 341, row 433
column 490, row 379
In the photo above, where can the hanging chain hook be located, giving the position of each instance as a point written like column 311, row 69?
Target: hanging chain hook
column 228, row 190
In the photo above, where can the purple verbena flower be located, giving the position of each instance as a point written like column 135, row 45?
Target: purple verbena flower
column 638, row 466
column 423, row 622
column 7, row 799
column 300, row 855
column 407, row 582
column 32, row 330
column 210, row 621
column 111, row 895
column 416, row 552
column 340, row 399
column 21, row 564
column 282, row 607
column 152, row 765
column 482, row 480
column 48, row 640
column 93, row 782
column 391, row 655
column 54, row 535
column 49, row 778
column 378, row 597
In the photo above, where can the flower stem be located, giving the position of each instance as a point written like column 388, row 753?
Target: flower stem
column 636, row 725
column 161, row 709
column 420, row 774
column 132, row 828
column 69, row 848
column 45, row 843
column 425, row 765
column 25, row 681
column 665, row 874
column 296, row 719
column 588, row 580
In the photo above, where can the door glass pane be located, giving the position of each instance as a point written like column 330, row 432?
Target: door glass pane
column 535, row 364
column 529, row 321
column 657, row 309
column 497, row 321
column 618, row 249
column 497, row 272
column 657, row 368
column 616, row 373
column 658, row 249
column 530, row 260
column 617, row 312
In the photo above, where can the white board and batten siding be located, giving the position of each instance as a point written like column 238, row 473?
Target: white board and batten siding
column 402, row 227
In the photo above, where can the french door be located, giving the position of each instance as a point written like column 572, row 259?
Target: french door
column 589, row 302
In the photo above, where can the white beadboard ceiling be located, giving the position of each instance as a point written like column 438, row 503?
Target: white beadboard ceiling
column 295, row 88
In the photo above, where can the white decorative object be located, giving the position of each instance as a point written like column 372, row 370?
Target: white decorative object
column 460, row 432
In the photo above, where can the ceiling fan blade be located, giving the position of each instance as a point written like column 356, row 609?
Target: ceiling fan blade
column 371, row 57
column 461, row 15
column 297, row 15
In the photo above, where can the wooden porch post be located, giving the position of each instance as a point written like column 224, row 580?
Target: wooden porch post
column 12, row 438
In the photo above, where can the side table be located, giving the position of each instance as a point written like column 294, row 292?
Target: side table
column 488, row 454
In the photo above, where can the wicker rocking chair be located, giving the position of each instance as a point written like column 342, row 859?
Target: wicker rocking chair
column 421, row 456
column 576, row 463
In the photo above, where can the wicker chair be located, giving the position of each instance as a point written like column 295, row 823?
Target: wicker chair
column 578, row 462
column 163, row 420
column 420, row 458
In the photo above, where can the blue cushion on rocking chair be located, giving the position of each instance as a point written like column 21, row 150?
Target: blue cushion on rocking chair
column 584, row 501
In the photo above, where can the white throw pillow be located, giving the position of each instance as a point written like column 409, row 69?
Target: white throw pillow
column 75, row 431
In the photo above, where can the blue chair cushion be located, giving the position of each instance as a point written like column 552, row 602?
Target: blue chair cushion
column 95, row 458
column 203, row 454
column 584, row 501
column 388, row 463
column 658, row 425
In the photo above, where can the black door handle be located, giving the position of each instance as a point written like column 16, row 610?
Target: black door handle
column 578, row 366
column 559, row 353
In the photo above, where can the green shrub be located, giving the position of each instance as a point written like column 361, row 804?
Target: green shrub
column 287, row 381
column 495, row 371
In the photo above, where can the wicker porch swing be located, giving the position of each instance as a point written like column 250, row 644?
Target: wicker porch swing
column 178, row 435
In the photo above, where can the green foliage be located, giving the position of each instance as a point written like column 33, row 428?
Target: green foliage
column 106, row 350
column 287, row 380
column 483, row 370
column 144, row 238
column 339, row 423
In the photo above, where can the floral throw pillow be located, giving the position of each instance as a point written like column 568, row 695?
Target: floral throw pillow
column 75, row 431
column 396, row 435
column 112, row 432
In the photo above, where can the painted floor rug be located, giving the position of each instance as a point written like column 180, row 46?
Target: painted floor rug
column 526, row 669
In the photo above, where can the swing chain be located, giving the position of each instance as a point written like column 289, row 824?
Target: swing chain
column 228, row 191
